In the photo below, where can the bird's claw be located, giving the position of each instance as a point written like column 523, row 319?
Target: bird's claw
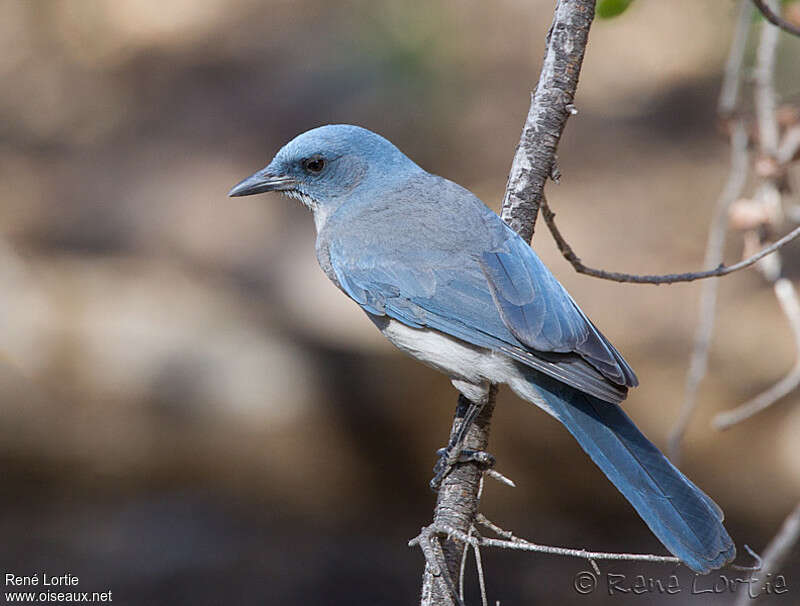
column 450, row 457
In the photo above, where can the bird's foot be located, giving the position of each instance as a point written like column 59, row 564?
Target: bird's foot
column 451, row 456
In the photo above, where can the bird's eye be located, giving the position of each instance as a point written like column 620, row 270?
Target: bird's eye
column 314, row 164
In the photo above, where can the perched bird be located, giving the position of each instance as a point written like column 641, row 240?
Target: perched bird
column 447, row 281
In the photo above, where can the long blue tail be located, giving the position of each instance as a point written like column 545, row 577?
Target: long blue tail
column 685, row 519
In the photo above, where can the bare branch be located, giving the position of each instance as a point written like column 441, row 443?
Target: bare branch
column 721, row 270
column 481, row 581
column 698, row 365
column 769, row 196
column 511, row 541
column 790, row 145
column 726, row 420
column 775, row 554
column 768, row 193
column 462, row 570
column 456, row 505
column 737, row 175
column 764, row 92
column 493, row 473
column 773, row 17
column 732, row 79
column 516, row 543
column 551, row 105
column 437, row 583
column 790, row 304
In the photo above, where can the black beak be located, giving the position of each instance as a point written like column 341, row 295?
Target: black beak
column 262, row 181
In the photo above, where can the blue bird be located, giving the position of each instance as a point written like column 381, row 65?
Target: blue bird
column 448, row 282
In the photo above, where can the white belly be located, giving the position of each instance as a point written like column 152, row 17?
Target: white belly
column 470, row 368
column 457, row 359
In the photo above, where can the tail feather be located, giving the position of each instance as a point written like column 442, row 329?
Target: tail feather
column 682, row 516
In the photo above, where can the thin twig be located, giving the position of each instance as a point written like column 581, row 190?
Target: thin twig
column 726, row 420
column 773, row 17
column 721, row 270
column 493, row 473
column 436, row 568
column 732, row 78
column 768, row 193
column 444, row 577
column 734, row 185
column 519, row 544
column 758, row 559
column 790, row 304
column 728, row 101
column 581, row 553
column 769, row 196
column 479, row 565
column 487, row 523
column 764, row 85
column 698, row 364
column 462, row 571
column 789, row 146
column 775, row 554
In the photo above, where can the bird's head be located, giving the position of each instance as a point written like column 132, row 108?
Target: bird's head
column 325, row 166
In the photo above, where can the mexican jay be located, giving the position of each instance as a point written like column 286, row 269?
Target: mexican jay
column 448, row 282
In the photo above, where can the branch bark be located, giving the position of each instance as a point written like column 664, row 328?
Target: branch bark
column 534, row 162
column 719, row 270
column 551, row 106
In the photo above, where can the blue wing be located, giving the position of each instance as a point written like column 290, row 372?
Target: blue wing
column 503, row 299
column 460, row 270
column 542, row 315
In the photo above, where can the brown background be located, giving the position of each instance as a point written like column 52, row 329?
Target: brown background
column 192, row 414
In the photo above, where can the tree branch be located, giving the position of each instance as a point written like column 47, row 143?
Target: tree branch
column 715, row 245
column 774, row 556
column 764, row 90
column 551, row 106
column 721, row 270
column 718, row 230
column 522, row 545
column 789, row 147
column 771, row 16
column 732, row 78
column 768, row 196
column 456, row 507
column 510, row 541
column 534, row 162
column 787, row 297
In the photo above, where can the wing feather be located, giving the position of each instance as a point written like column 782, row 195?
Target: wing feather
column 490, row 290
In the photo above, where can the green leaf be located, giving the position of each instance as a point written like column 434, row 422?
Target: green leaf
column 611, row 8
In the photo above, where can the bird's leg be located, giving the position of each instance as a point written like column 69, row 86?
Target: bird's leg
column 467, row 410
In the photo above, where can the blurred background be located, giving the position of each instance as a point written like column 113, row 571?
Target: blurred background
column 192, row 413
